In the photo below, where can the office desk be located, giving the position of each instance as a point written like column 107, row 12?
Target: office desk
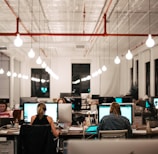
column 10, row 135
column 142, row 133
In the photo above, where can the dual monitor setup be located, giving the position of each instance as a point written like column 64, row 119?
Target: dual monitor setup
column 61, row 113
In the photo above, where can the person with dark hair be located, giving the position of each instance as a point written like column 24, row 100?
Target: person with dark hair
column 4, row 113
column 42, row 119
column 115, row 121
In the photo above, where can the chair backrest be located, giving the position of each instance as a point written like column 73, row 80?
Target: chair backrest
column 112, row 134
column 36, row 140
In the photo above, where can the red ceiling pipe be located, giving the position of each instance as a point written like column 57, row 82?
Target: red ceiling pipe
column 73, row 34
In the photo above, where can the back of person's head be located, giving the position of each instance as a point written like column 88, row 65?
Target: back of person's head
column 115, row 108
column 61, row 100
column 41, row 108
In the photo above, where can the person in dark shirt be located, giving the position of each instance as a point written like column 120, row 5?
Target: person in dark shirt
column 42, row 119
column 115, row 121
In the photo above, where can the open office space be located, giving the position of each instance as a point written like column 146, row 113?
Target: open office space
column 60, row 38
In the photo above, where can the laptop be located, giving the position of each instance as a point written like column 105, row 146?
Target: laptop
column 5, row 121
column 112, row 146
column 92, row 129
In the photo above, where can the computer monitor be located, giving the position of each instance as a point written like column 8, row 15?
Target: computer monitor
column 27, row 100
column 76, row 103
column 30, row 109
column 126, row 110
column 155, row 102
column 64, row 113
column 106, row 100
column 118, row 100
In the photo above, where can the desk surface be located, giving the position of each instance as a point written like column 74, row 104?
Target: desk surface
column 78, row 131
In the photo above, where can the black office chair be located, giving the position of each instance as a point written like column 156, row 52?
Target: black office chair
column 36, row 140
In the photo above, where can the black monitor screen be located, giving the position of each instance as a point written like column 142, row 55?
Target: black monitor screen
column 126, row 110
column 106, row 100
column 30, row 109
column 27, row 100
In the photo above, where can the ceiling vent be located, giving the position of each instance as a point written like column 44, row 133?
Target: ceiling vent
column 3, row 48
column 80, row 46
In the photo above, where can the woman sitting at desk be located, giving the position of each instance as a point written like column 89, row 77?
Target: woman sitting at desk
column 4, row 113
column 42, row 119
column 115, row 121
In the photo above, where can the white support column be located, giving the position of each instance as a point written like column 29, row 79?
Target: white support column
column 11, row 82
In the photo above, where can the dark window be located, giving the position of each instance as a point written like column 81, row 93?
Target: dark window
column 137, row 71
column 40, row 83
column 147, row 78
column 80, row 71
column 156, row 77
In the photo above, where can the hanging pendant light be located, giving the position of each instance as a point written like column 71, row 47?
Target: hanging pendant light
column 39, row 60
column 117, row 60
column 150, row 41
column 18, row 42
column 129, row 55
column 31, row 53
column 104, row 68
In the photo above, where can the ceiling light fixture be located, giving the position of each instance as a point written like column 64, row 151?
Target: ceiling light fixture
column 117, row 60
column 18, row 42
column 104, row 68
column 39, row 60
column 31, row 53
column 150, row 41
column 1, row 70
column 129, row 54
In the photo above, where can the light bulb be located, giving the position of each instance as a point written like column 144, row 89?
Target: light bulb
column 129, row 55
column 44, row 65
column 31, row 53
column 8, row 73
column 1, row 71
column 150, row 41
column 18, row 42
column 117, row 60
column 99, row 71
column 39, row 60
column 104, row 68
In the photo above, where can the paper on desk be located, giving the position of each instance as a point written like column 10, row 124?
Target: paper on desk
column 75, row 128
column 154, row 129
column 3, row 131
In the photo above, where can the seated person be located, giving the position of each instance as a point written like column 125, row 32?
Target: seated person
column 114, row 121
column 42, row 119
column 61, row 100
column 4, row 112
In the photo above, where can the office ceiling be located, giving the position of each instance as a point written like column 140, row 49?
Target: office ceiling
column 79, row 28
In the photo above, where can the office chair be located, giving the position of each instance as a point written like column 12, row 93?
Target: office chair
column 108, row 134
column 35, row 139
